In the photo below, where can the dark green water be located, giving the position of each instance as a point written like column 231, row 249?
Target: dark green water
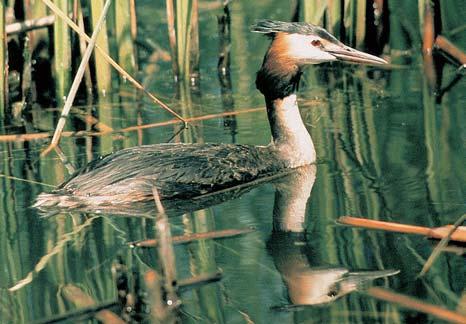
column 386, row 151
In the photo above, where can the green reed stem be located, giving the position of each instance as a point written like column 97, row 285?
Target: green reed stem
column 194, row 44
column 183, row 40
column 36, row 10
column 3, row 64
column 62, row 51
column 124, row 39
column 102, row 68
column 359, row 23
column 314, row 11
column 334, row 18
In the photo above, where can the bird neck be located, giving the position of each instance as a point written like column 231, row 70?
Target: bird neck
column 278, row 80
column 289, row 134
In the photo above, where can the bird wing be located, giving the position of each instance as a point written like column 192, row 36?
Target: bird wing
column 177, row 170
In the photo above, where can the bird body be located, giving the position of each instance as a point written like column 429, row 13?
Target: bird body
column 176, row 170
column 189, row 170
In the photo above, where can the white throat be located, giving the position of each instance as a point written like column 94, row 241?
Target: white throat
column 289, row 134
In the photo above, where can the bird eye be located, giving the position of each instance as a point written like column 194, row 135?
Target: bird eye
column 316, row 43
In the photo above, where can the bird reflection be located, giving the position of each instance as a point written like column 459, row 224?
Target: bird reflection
column 307, row 281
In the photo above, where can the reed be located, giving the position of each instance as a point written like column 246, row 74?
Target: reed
column 183, row 32
column 3, row 65
column 314, row 11
column 62, row 54
column 36, row 10
column 103, row 72
column 183, row 17
column 124, row 36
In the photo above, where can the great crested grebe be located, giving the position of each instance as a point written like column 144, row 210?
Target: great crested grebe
column 190, row 170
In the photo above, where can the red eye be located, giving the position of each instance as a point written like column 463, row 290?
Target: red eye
column 316, row 43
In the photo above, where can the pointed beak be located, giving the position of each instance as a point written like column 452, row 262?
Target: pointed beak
column 347, row 54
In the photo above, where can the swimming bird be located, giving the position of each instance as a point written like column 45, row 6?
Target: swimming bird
column 190, row 170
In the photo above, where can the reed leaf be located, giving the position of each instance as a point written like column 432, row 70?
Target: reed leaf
column 3, row 65
column 102, row 67
column 124, row 36
column 314, row 11
column 62, row 54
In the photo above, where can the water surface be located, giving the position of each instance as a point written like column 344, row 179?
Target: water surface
column 386, row 151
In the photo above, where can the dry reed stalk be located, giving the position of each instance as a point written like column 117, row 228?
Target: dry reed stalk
column 77, row 80
column 448, row 47
column 112, row 62
column 453, row 232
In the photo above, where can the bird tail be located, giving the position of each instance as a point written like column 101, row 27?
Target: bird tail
column 45, row 202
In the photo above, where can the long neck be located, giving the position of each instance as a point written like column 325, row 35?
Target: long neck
column 290, row 136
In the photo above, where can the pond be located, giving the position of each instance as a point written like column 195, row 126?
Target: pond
column 386, row 151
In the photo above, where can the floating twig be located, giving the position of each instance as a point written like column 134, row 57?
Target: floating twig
column 77, row 80
column 187, row 238
column 416, row 304
column 458, row 235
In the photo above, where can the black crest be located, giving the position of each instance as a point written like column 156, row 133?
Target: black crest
column 271, row 27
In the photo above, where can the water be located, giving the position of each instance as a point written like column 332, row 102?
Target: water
column 386, row 151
